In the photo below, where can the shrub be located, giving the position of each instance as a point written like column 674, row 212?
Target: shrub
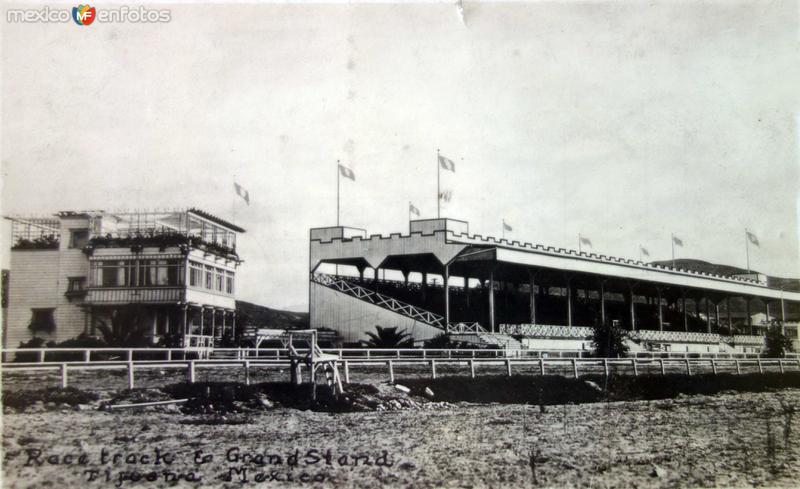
column 777, row 344
column 608, row 340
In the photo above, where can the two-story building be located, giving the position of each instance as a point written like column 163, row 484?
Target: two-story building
column 167, row 276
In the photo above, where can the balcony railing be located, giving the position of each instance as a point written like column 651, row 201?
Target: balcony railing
column 126, row 295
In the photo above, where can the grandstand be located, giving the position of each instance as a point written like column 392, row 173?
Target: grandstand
column 492, row 292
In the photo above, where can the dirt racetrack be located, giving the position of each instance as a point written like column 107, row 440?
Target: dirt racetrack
column 729, row 440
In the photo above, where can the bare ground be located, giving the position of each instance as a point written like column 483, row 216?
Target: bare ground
column 735, row 440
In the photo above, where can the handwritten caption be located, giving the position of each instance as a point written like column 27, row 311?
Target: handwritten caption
column 233, row 465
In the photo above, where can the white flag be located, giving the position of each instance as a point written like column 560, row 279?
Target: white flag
column 447, row 164
column 752, row 238
column 241, row 192
column 585, row 240
column 677, row 240
column 506, row 227
column 347, row 172
column 643, row 251
column 446, row 195
column 413, row 209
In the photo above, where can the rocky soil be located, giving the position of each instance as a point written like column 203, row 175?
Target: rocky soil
column 728, row 440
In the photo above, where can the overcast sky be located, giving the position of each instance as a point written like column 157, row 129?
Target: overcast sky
column 624, row 122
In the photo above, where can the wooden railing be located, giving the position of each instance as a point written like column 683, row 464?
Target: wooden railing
column 120, row 295
column 100, row 355
column 378, row 299
column 542, row 366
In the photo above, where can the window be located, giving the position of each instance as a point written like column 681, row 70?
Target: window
column 78, row 238
column 137, row 273
column 209, row 277
column 195, row 274
column 42, row 320
column 229, row 282
column 76, row 284
column 220, row 279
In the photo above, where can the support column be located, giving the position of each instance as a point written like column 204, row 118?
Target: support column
column 783, row 315
column 716, row 314
column 749, row 319
column 633, row 309
column 569, row 303
column 185, row 324
column 491, row 301
column 708, row 315
column 213, row 323
column 202, row 320
column 233, row 325
column 424, row 286
column 532, row 295
column 446, row 279
column 728, row 313
column 603, row 302
column 660, row 311
column 683, row 307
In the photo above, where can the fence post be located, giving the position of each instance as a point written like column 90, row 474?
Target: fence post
column 508, row 366
column 190, row 372
column 472, row 368
column 346, row 372
column 688, row 368
column 780, row 364
column 575, row 367
column 63, row 375
column 433, row 369
column 714, row 366
column 247, row 372
column 367, row 353
column 541, row 365
column 738, row 370
column 635, row 367
column 391, row 371
column 663, row 370
column 41, row 356
column 605, row 366
column 169, row 355
column 87, row 356
column 130, row 375
column 760, row 367
column 129, row 355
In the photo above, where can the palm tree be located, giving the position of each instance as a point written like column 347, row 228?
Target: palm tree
column 126, row 329
column 389, row 338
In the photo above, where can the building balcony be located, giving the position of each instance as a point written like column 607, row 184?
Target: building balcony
column 134, row 295
column 161, row 240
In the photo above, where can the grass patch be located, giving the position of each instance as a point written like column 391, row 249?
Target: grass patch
column 554, row 389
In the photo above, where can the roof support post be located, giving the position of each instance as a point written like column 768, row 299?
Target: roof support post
column 603, row 302
column 633, row 308
column 446, row 278
column 660, row 311
column 747, row 312
column 683, row 307
column 708, row 314
column 728, row 313
column 569, row 302
column 491, row 301
column 532, row 295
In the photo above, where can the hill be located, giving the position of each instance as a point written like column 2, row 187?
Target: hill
column 263, row 316
column 791, row 284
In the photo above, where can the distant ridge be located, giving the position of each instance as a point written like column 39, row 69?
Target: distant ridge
column 257, row 315
column 790, row 284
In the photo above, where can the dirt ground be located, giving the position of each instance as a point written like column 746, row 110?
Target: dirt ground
column 730, row 440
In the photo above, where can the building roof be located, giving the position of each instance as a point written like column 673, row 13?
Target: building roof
column 215, row 219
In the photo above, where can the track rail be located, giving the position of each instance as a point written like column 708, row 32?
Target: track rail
column 542, row 366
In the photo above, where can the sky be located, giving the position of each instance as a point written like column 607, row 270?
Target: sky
column 622, row 121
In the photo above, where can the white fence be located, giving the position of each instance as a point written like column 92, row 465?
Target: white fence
column 572, row 367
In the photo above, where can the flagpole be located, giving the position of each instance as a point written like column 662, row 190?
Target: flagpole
column 672, row 242
column 438, row 190
column 233, row 203
column 504, row 229
column 579, row 243
column 747, row 248
column 337, row 191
